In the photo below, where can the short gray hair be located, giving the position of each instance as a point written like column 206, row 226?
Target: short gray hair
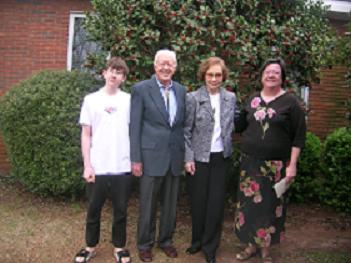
column 166, row 52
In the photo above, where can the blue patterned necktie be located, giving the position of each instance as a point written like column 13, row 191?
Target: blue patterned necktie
column 167, row 99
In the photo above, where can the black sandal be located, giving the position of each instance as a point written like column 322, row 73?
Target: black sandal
column 86, row 255
column 122, row 254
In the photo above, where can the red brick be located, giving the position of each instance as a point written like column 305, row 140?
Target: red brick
column 32, row 37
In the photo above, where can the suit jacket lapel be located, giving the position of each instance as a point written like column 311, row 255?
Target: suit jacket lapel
column 205, row 100
column 156, row 96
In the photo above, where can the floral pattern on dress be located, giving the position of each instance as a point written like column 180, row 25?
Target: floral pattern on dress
column 261, row 114
column 263, row 236
column 253, row 222
column 272, row 166
column 239, row 219
column 282, row 236
column 279, row 211
column 250, row 188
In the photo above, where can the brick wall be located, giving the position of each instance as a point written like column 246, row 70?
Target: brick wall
column 33, row 37
column 327, row 102
column 327, row 99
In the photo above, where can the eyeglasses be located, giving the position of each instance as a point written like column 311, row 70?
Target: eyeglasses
column 272, row 72
column 165, row 64
column 214, row 75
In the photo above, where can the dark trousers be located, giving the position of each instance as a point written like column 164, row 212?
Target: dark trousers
column 152, row 190
column 207, row 196
column 118, row 188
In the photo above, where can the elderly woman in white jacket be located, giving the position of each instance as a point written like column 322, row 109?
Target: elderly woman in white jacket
column 208, row 147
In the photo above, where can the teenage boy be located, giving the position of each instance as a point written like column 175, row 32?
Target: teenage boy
column 106, row 154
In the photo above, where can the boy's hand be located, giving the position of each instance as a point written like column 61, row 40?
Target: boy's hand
column 89, row 174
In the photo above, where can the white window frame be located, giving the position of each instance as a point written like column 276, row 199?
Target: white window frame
column 73, row 15
column 305, row 96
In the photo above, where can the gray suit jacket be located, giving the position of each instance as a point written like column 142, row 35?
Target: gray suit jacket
column 153, row 142
column 199, row 124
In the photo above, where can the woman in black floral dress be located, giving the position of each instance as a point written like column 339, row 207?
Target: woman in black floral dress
column 273, row 126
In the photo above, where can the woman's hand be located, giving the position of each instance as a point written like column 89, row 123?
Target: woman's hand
column 190, row 167
column 290, row 172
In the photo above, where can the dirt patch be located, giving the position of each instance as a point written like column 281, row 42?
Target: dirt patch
column 41, row 230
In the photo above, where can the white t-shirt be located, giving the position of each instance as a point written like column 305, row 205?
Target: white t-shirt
column 108, row 116
column 216, row 142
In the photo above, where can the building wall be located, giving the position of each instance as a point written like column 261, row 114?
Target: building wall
column 33, row 37
column 327, row 102
column 328, row 98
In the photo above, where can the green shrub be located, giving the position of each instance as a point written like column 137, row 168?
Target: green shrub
column 39, row 123
column 337, row 170
column 307, row 184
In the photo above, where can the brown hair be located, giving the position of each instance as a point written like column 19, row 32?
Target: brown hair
column 211, row 61
column 118, row 64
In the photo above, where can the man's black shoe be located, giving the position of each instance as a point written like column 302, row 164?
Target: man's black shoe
column 193, row 250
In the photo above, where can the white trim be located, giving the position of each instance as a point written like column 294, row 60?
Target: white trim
column 339, row 6
column 305, row 94
column 339, row 10
column 72, row 16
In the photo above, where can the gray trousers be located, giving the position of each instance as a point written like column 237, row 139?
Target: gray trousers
column 153, row 189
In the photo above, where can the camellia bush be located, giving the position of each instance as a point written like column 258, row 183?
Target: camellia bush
column 233, row 175
column 39, row 123
column 244, row 33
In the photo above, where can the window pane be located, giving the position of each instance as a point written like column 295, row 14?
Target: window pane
column 81, row 46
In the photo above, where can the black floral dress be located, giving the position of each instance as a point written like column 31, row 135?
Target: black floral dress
column 270, row 131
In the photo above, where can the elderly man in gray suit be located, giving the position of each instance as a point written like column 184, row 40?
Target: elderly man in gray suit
column 157, row 152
